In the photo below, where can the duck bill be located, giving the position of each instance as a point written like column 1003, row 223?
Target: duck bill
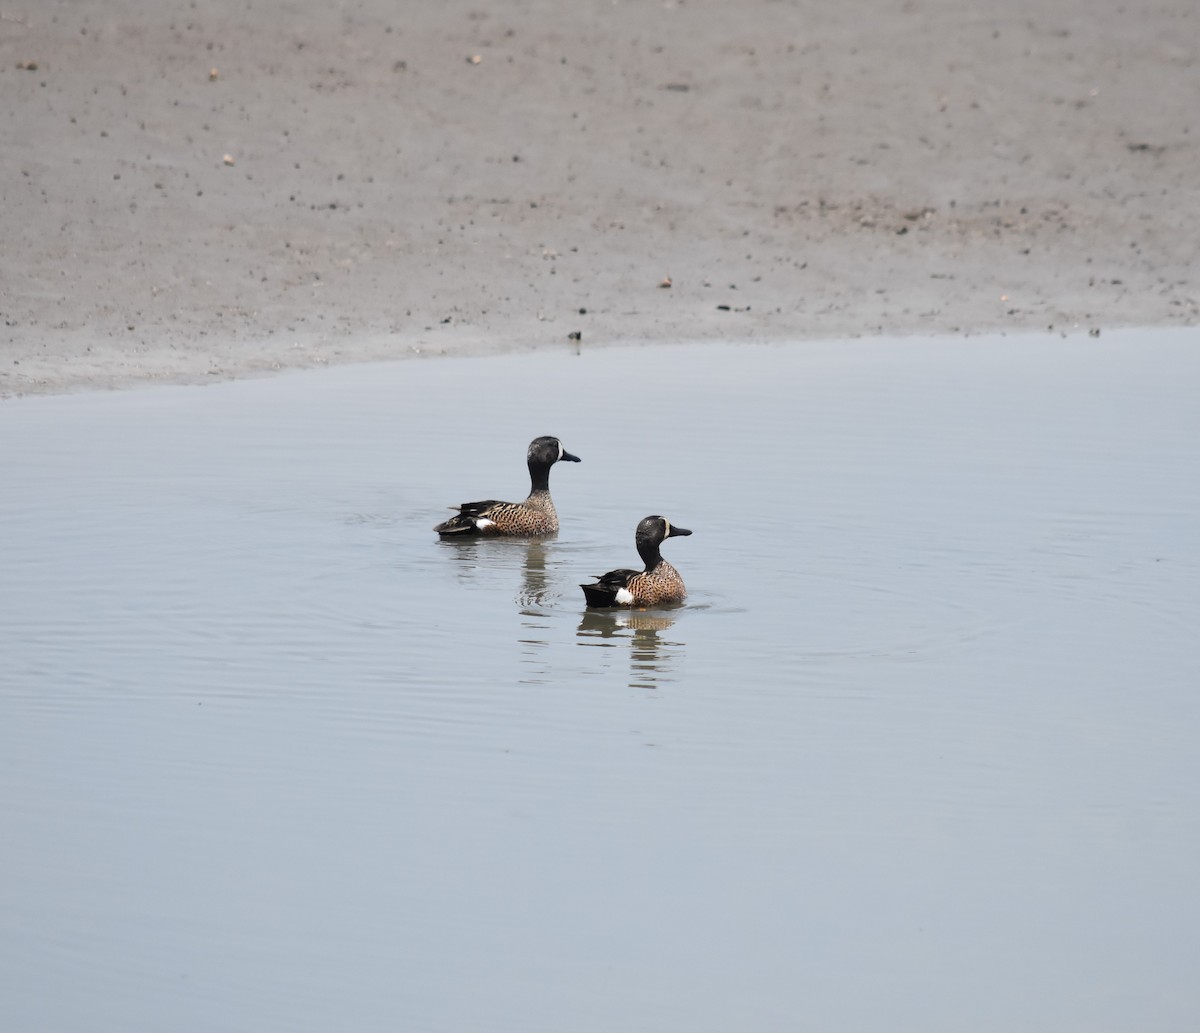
column 569, row 458
column 677, row 531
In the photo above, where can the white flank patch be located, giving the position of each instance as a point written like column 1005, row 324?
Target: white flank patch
column 624, row 596
column 483, row 523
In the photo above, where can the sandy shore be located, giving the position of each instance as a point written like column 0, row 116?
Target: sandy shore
column 196, row 191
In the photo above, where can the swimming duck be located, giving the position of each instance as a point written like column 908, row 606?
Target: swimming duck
column 657, row 585
column 532, row 518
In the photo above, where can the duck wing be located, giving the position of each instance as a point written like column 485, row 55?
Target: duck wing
column 466, row 520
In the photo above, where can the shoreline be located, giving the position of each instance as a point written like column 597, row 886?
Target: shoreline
column 202, row 195
column 124, row 371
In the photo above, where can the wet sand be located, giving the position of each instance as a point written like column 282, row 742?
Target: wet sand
column 198, row 191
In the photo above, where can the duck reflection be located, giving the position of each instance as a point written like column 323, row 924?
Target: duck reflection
column 465, row 554
column 535, row 622
column 482, row 559
column 651, row 654
column 534, row 583
column 493, row 562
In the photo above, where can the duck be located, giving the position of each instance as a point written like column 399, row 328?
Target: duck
column 659, row 584
column 533, row 518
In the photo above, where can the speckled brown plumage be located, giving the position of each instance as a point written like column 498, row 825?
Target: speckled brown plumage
column 533, row 518
column 659, row 584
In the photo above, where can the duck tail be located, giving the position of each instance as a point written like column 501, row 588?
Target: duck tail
column 600, row 594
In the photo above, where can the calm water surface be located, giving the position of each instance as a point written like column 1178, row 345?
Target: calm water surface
column 919, row 753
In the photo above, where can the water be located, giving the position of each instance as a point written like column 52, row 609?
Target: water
column 918, row 754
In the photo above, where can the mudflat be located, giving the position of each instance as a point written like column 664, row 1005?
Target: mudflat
column 196, row 191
